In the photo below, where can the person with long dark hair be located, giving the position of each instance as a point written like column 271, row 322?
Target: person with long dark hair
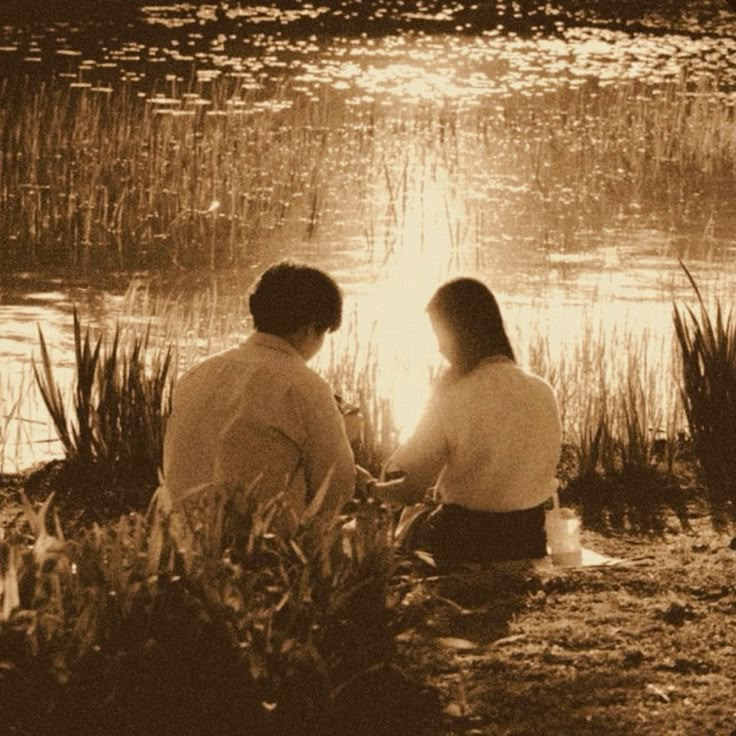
column 488, row 442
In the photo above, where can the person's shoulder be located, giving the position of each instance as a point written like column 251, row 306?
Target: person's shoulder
column 535, row 378
column 310, row 383
column 538, row 384
column 447, row 379
column 205, row 365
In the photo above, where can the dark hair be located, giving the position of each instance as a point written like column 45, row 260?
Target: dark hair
column 290, row 295
column 470, row 311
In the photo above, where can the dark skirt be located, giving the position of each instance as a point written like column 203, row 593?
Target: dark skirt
column 456, row 535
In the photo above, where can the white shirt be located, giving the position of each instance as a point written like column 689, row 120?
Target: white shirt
column 490, row 438
column 257, row 416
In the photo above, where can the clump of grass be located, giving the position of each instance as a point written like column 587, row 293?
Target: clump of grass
column 708, row 389
column 113, row 435
column 12, row 398
column 622, row 474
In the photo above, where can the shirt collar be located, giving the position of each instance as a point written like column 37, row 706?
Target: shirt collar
column 273, row 342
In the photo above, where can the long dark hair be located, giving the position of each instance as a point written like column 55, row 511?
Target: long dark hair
column 469, row 310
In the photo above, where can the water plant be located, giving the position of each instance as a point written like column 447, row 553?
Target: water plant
column 104, row 178
column 622, row 471
column 113, row 434
column 708, row 388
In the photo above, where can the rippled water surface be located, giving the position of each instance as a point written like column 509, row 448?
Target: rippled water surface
column 516, row 141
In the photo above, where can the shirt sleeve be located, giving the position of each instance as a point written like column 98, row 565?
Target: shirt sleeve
column 326, row 449
column 425, row 453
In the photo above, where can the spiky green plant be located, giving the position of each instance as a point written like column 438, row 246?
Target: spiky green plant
column 636, row 444
column 121, row 400
column 708, row 390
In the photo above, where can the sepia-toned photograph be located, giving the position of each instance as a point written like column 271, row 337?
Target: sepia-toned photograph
column 368, row 368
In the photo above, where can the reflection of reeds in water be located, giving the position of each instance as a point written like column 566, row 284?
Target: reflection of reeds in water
column 95, row 177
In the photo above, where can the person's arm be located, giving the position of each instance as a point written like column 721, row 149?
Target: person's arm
column 416, row 463
column 326, row 450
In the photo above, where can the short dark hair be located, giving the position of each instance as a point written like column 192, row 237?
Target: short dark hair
column 469, row 310
column 290, row 295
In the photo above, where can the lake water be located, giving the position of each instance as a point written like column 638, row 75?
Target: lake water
column 567, row 156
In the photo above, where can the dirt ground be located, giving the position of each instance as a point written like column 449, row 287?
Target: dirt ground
column 641, row 648
column 636, row 649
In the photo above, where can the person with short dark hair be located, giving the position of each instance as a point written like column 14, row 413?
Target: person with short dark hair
column 488, row 441
column 256, row 417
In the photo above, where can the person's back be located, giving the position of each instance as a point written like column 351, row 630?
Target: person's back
column 503, row 434
column 256, row 417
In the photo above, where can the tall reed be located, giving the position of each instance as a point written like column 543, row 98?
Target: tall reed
column 104, row 178
column 113, row 435
column 708, row 388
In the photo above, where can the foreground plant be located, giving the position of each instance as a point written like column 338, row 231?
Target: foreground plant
column 205, row 620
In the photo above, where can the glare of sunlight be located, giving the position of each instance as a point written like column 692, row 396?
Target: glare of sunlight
column 404, row 340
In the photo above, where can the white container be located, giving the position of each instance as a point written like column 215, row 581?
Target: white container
column 563, row 535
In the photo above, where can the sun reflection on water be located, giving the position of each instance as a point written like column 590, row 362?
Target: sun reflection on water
column 433, row 213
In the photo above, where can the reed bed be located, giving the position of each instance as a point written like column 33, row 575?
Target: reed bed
column 110, row 179
column 12, row 429
column 624, row 377
column 105, row 178
column 623, row 424
column 625, row 429
column 26, row 434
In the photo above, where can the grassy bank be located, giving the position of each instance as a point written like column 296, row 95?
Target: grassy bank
column 116, row 629
column 214, row 623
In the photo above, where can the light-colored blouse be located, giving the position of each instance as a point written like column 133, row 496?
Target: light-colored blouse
column 490, row 439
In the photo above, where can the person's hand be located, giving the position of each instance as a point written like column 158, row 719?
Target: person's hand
column 390, row 491
column 385, row 491
column 364, row 481
column 353, row 419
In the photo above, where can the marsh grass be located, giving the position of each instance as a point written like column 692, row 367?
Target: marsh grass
column 113, row 433
column 616, row 390
column 617, row 394
column 14, row 430
column 111, row 180
column 115, row 181
column 707, row 342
